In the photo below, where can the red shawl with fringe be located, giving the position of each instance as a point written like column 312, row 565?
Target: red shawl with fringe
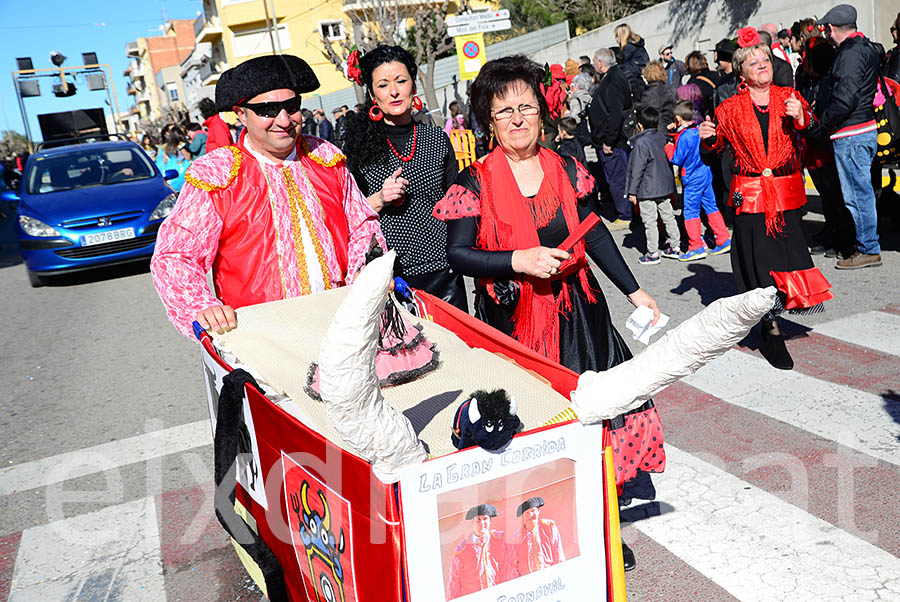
column 510, row 221
column 737, row 122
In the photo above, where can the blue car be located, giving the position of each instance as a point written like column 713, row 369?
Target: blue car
column 90, row 204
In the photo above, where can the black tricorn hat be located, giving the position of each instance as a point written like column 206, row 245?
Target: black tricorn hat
column 481, row 510
column 262, row 74
column 532, row 502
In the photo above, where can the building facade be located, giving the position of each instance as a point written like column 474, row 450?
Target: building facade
column 244, row 29
column 152, row 87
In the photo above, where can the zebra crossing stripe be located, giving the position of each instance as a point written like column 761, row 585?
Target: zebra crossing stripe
column 853, row 418
column 105, row 456
column 758, row 547
column 112, row 555
column 873, row 329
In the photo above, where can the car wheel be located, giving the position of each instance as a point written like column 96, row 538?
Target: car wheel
column 35, row 280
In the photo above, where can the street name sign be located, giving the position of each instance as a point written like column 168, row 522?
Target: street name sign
column 478, row 27
column 494, row 15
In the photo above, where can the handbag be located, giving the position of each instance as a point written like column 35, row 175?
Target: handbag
column 887, row 120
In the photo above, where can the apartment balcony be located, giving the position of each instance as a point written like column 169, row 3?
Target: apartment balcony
column 127, row 72
column 130, row 90
column 132, row 49
column 209, row 73
column 210, row 30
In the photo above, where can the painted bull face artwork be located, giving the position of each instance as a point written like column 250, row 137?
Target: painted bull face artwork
column 320, row 527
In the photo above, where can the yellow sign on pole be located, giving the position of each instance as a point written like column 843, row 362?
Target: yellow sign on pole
column 470, row 52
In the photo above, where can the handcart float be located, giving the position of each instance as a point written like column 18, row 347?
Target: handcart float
column 375, row 503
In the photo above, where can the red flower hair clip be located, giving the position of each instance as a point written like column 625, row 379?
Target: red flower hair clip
column 809, row 28
column 351, row 67
column 748, row 36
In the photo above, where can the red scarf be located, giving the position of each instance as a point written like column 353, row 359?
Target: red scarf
column 739, row 125
column 510, row 221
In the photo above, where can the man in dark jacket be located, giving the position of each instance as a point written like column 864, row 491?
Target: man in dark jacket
column 728, row 81
column 845, row 112
column 675, row 69
column 340, row 125
column 324, row 128
column 606, row 114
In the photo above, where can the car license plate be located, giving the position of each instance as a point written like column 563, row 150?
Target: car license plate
column 99, row 238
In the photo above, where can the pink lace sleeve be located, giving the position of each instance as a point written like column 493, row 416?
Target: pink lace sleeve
column 584, row 181
column 458, row 202
column 185, row 248
column 363, row 223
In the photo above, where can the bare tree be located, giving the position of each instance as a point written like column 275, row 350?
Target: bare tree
column 417, row 25
column 175, row 114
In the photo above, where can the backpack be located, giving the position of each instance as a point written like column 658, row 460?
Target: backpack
column 887, row 120
column 583, row 129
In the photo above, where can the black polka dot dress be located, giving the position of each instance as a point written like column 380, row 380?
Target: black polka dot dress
column 419, row 239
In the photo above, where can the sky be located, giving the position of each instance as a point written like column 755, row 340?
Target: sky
column 36, row 27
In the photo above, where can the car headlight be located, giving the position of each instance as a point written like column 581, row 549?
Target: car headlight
column 164, row 208
column 35, row 227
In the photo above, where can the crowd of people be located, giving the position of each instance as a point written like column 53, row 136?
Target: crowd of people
column 280, row 213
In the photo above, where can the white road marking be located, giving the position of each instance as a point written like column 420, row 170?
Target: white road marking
column 851, row 417
column 111, row 555
column 758, row 547
column 106, row 456
column 877, row 330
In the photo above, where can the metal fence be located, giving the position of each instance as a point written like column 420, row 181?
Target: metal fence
column 446, row 70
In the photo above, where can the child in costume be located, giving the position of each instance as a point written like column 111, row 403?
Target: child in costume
column 696, row 179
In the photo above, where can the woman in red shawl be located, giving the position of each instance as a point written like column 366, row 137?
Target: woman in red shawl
column 763, row 124
column 507, row 214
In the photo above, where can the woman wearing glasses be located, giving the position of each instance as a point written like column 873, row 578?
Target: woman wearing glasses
column 507, row 214
column 404, row 168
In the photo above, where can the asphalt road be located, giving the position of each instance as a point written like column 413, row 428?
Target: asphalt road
column 91, row 359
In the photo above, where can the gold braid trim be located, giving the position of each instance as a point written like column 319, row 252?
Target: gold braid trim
column 296, row 200
column 564, row 416
column 232, row 174
column 336, row 159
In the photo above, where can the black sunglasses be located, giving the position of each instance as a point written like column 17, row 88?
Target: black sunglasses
column 271, row 110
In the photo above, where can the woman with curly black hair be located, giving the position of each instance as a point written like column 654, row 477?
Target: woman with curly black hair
column 404, row 168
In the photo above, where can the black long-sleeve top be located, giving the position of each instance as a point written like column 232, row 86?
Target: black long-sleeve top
column 465, row 258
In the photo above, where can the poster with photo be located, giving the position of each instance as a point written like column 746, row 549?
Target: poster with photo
column 526, row 521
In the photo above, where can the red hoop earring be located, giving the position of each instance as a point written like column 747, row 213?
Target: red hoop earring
column 375, row 113
column 417, row 103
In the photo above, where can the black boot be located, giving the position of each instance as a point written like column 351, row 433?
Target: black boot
column 773, row 347
column 628, row 557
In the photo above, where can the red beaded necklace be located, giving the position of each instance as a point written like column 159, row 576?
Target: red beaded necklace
column 761, row 109
column 412, row 151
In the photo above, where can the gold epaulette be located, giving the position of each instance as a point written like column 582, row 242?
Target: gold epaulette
column 232, row 173
column 335, row 160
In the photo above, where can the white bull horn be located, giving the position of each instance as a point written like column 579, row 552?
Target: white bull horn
column 679, row 353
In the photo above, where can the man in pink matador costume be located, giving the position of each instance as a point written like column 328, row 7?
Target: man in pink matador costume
column 537, row 544
column 276, row 215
